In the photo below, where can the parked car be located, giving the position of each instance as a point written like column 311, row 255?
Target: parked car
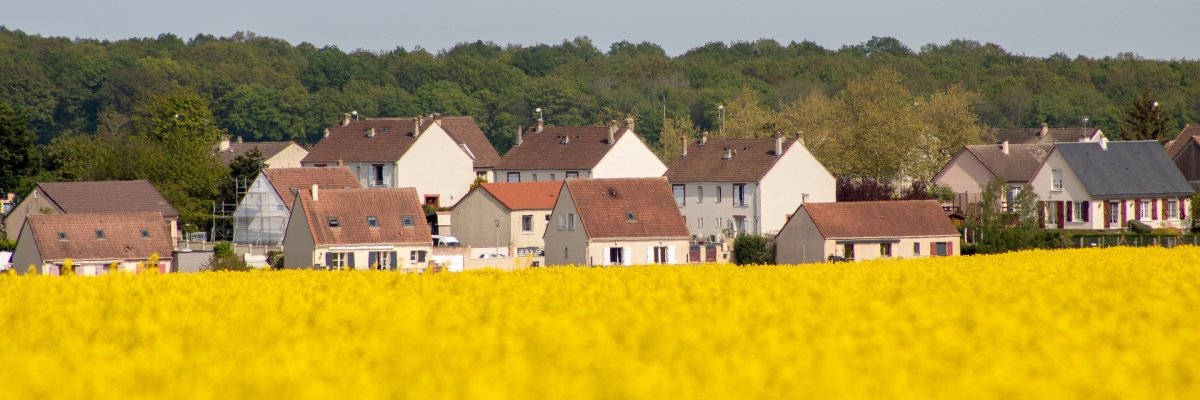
column 445, row 241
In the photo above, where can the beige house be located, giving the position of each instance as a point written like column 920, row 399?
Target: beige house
column 357, row 229
column 93, row 242
column 970, row 171
column 275, row 154
column 866, row 230
column 1103, row 185
column 439, row 156
column 727, row 187
column 508, row 216
column 93, row 197
column 617, row 221
column 559, row 153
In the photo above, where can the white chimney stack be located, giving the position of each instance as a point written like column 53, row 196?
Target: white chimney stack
column 629, row 123
column 520, row 137
column 1045, row 130
column 540, row 124
column 326, row 134
column 1004, row 147
column 612, row 131
column 223, row 144
column 345, row 119
column 778, row 144
column 416, row 127
column 315, row 193
column 371, row 133
column 703, row 138
column 683, row 148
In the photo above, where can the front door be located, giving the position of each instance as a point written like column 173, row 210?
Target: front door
column 1113, row 210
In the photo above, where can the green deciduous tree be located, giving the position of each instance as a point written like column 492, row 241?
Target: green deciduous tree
column 16, row 148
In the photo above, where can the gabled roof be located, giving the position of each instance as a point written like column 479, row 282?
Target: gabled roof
column 880, row 219
column 284, row 180
column 525, row 195
column 1019, row 165
column 560, row 148
column 107, row 197
column 1126, row 168
column 751, row 160
column 123, row 239
column 1189, row 134
column 1035, row 135
column 352, row 207
column 604, row 204
column 268, row 150
column 393, row 137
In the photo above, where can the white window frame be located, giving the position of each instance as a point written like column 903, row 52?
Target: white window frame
column 1172, row 209
column 509, row 177
column 571, row 221
column 719, row 195
column 562, row 221
column 377, row 180
column 680, row 193
column 417, row 256
column 571, row 175
column 1056, row 180
column 1114, row 213
column 338, row 260
column 699, row 194
column 383, row 260
column 527, row 223
column 1146, row 209
column 739, row 195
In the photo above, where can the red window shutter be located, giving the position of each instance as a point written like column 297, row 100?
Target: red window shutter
column 1123, row 213
column 949, row 248
column 1182, row 208
column 933, row 249
column 1137, row 208
column 1163, row 210
column 1153, row 209
column 1060, row 215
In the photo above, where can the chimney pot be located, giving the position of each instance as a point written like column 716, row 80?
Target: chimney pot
column 315, row 192
column 345, row 119
column 540, row 124
column 779, row 144
column 1004, row 147
column 326, row 134
column 683, row 148
column 703, row 138
column 1045, row 129
column 223, row 144
column 416, row 126
column 629, row 123
column 371, row 133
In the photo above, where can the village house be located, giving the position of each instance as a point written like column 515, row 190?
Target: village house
column 1102, row 185
column 728, row 187
column 970, row 171
column 94, row 243
column 866, row 230
column 439, row 156
column 1184, row 151
column 509, row 216
column 262, row 214
column 381, row 228
column 1048, row 135
column 616, row 221
column 274, row 154
column 93, row 197
column 558, row 153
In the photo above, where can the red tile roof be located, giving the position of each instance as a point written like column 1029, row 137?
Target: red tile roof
column 107, row 197
column 525, row 195
column 284, row 180
column 268, row 150
column 122, row 240
column 604, row 204
column 351, row 207
column 393, row 137
column 560, row 148
column 1019, row 165
column 880, row 219
column 1189, row 134
column 752, row 159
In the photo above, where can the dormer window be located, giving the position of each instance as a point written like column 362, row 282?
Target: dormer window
column 408, row 220
column 100, row 234
column 145, row 234
column 372, row 221
column 62, row 236
column 334, row 223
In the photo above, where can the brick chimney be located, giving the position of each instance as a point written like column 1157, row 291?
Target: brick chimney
column 1004, row 147
column 316, row 194
column 520, row 137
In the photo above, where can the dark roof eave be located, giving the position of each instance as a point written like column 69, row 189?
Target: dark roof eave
column 1141, row 195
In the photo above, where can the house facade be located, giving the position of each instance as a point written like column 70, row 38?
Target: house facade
column 975, row 166
column 275, row 154
column 438, row 156
column 93, row 197
column 560, row 153
column 509, row 216
column 727, row 187
column 262, row 213
column 1103, row 185
column 382, row 229
column 866, row 230
column 614, row 222
column 95, row 243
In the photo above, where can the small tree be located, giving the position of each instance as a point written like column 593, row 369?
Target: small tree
column 863, row 189
column 1144, row 120
column 752, row 249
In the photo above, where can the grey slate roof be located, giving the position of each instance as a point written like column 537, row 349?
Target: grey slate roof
column 1133, row 168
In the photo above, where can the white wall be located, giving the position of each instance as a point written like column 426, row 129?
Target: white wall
column 629, row 158
column 964, row 174
column 361, row 253
column 541, row 175
column 797, row 175
column 436, row 165
column 289, row 157
column 637, row 251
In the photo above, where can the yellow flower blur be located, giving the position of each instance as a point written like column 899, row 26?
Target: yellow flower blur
column 1110, row 323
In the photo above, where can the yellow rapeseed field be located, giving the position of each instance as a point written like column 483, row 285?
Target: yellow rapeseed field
column 1112, row 323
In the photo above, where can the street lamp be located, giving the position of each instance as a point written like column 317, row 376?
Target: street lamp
column 721, row 115
column 497, row 236
column 539, row 111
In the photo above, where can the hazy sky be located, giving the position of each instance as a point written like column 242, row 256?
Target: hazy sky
column 1150, row 28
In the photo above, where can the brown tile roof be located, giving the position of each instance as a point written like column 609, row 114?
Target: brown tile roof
column 107, row 197
column 603, row 205
column 1189, row 134
column 878, row 219
column 1033, row 135
column 525, row 195
column 751, row 160
column 123, row 238
column 1019, row 165
column 352, row 207
column 546, row 149
column 301, row 179
column 268, row 150
column 393, row 137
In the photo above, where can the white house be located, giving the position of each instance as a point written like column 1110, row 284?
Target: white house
column 559, row 153
column 1103, row 185
column 438, row 156
column 274, row 154
column 726, row 187
column 616, row 221
column 262, row 214
column 381, row 228
column 970, row 171
column 866, row 230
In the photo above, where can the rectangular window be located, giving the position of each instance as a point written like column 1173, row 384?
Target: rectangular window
column 514, row 176
column 381, row 260
column 719, row 194
column 572, row 174
column 680, row 194
column 408, row 220
column 376, row 174
column 885, row 249
column 562, row 221
column 571, row 221
column 1144, row 212
column 1114, row 213
column 372, row 221
column 526, row 223
column 553, row 177
column 660, row 255
column 534, row 178
column 942, row 249
column 848, row 251
column 100, row 234
column 339, row 260
column 1056, row 183
column 616, row 256
column 699, row 222
column 416, row 256
column 916, row 249
column 145, row 234
column 699, row 194
column 1172, row 209
column 1051, row 212
column 739, row 195
column 1010, row 198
